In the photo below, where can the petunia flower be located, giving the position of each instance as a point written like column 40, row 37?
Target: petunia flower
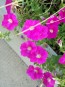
column 53, row 20
column 10, row 21
column 27, row 48
column 62, row 59
column 52, row 31
column 35, row 72
column 8, row 8
column 48, row 80
column 35, row 33
column 62, row 15
column 39, row 56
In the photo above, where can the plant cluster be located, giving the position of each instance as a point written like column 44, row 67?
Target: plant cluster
column 40, row 28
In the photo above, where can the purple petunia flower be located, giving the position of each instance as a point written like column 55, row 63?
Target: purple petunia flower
column 53, row 20
column 35, row 72
column 52, row 31
column 39, row 56
column 27, row 48
column 10, row 21
column 48, row 80
column 8, row 8
column 62, row 15
column 62, row 59
column 35, row 33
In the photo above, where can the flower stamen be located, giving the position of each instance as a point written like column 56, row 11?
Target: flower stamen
column 29, row 48
column 36, row 71
column 49, row 79
column 38, row 56
column 51, row 31
column 10, row 20
column 31, row 28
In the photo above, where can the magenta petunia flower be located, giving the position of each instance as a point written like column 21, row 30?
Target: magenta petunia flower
column 39, row 56
column 48, row 80
column 27, row 48
column 35, row 33
column 62, row 15
column 10, row 21
column 35, row 72
column 62, row 59
column 53, row 20
column 8, row 8
column 52, row 31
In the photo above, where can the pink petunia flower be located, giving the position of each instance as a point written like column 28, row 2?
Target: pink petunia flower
column 27, row 48
column 39, row 56
column 10, row 21
column 52, row 31
column 48, row 80
column 8, row 8
column 53, row 20
column 35, row 33
column 62, row 59
column 62, row 15
column 35, row 72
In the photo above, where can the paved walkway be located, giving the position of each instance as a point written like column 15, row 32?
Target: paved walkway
column 13, row 69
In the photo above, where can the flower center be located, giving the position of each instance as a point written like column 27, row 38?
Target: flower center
column 49, row 79
column 36, row 71
column 51, row 21
column 51, row 30
column 38, row 56
column 10, row 20
column 31, row 28
column 29, row 48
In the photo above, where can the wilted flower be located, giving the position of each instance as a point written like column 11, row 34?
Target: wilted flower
column 48, row 80
column 10, row 21
column 8, row 8
column 59, row 42
column 52, row 32
column 27, row 48
column 62, row 59
column 39, row 56
column 35, row 33
column 35, row 72
column 43, row 18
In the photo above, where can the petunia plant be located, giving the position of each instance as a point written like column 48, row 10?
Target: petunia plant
column 41, row 30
